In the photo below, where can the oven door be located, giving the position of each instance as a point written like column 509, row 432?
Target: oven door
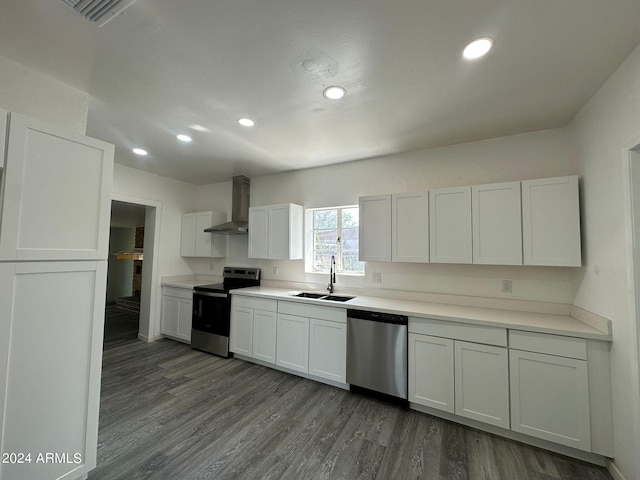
column 211, row 313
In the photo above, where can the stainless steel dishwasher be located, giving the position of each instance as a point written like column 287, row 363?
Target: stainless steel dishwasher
column 377, row 354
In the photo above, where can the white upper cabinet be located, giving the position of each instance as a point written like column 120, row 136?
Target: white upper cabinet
column 209, row 244
column 534, row 222
column 285, row 232
column 43, row 219
column 259, row 232
column 450, row 225
column 188, row 239
column 551, row 222
column 276, row 232
column 497, row 224
column 410, row 227
column 375, row 228
column 195, row 242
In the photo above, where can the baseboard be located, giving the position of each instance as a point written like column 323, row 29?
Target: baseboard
column 326, row 381
column 518, row 437
column 146, row 339
column 612, row 468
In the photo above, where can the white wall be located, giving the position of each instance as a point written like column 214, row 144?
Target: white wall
column 531, row 155
column 29, row 92
column 175, row 196
column 601, row 134
column 217, row 197
column 170, row 198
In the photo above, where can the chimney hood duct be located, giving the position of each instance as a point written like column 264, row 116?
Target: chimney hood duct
column 239, row 224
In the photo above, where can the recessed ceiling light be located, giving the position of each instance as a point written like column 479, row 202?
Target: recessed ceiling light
column 140, row 151
column 334, row 93
column 199, row 128
column 183, row 138
column 478, row 48
column 246, row 122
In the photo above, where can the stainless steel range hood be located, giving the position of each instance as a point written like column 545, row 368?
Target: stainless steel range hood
column 239, row 224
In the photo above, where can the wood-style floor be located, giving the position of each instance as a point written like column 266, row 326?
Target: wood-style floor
column 170, row 412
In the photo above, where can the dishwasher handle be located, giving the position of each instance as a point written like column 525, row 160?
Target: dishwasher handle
column 378, row 317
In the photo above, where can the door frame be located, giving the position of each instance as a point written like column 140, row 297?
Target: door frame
column 149, row 324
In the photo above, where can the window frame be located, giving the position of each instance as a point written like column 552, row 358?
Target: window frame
column 310, row 241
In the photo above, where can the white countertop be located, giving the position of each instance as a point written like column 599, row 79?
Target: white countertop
column 515, row 320
column 188, row 282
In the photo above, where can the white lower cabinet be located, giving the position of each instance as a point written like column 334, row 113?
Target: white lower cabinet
column 550, row 396
column 298, row 337
column 551, row 387
column 431, row 380
column 313, row 339
column 293, row 342
column 264, row 335
column 241, row 330
column 482, row 383
column 253, row 328
column 464, row 378
column 328, row 349
column 175, row 319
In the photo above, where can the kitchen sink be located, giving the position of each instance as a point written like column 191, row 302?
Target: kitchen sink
column 337, row 298
column 310, row 295
column 323, row 296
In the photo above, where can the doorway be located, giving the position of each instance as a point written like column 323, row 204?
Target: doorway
column 133, row 209
column 124, row 273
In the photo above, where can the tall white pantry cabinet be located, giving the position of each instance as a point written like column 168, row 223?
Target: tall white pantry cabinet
column 55, row 196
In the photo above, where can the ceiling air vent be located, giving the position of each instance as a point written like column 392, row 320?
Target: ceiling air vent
column 99, row 11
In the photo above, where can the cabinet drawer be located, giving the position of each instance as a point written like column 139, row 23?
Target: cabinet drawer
column 256, row 303
column 459, row 331
column 550, row 344
column 333, row 314
column 185, row 293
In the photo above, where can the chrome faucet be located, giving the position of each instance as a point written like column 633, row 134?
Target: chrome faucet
column 332, row 274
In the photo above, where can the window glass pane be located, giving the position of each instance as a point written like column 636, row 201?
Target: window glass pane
column 326, row 236
column 321, row 262
column 325, row 219
column 350, row 263
column 326, row 231
column 350, row 217
column 350, row 239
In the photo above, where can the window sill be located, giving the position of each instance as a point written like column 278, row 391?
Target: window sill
column 339, row 274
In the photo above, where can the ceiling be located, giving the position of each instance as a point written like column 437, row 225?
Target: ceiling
column 165, row 65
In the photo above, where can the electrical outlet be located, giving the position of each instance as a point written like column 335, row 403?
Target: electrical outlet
column 507, row 286
column 376, row 277
column 275, row 271
column 211, row 266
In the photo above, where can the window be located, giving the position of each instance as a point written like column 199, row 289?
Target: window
column 334, row 231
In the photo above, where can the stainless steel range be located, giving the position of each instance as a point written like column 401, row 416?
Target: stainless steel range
column 211, row 319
